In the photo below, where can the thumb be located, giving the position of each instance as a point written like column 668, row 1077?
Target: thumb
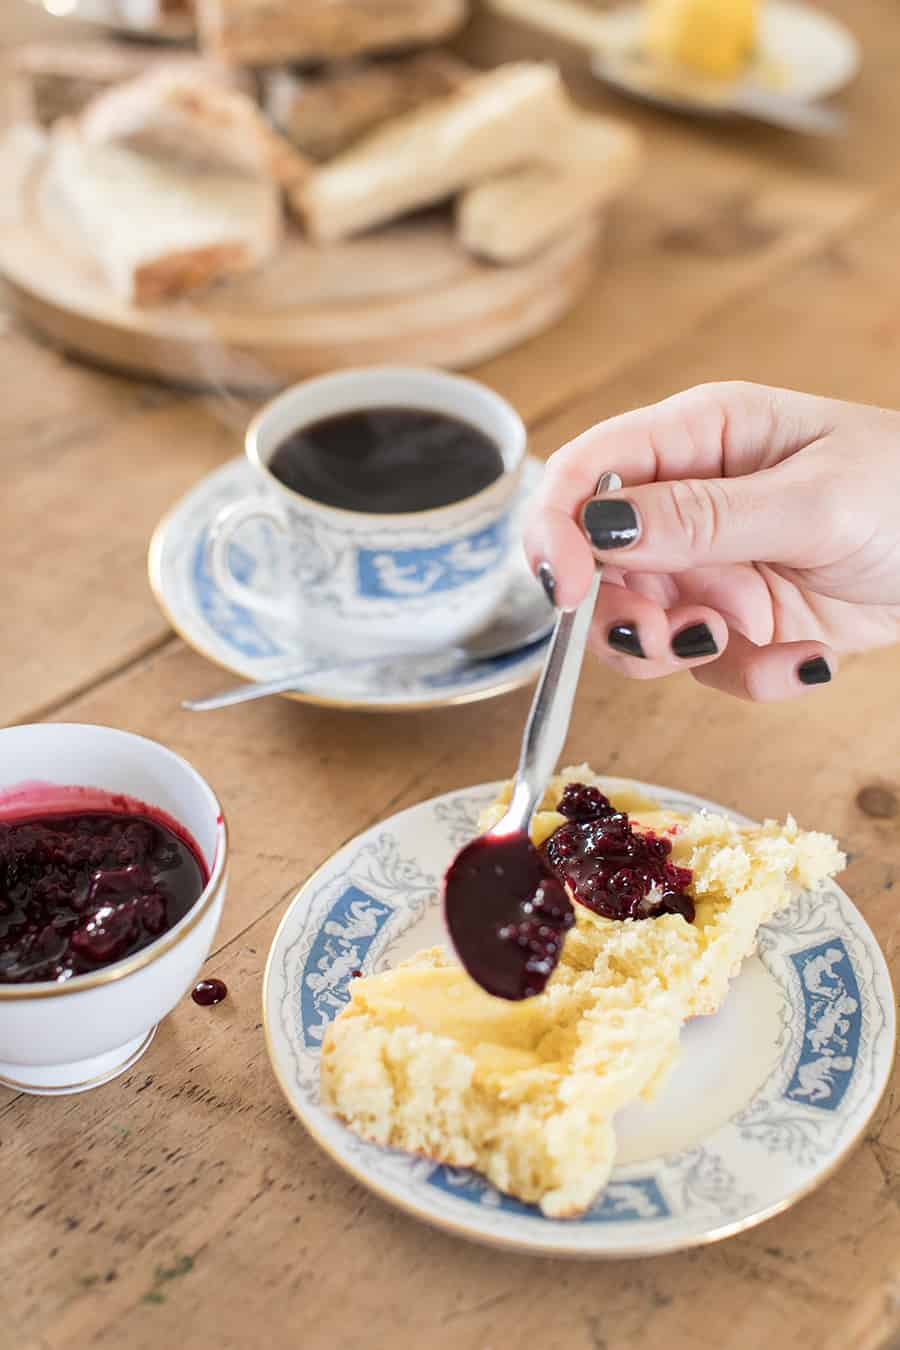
column 670, row 527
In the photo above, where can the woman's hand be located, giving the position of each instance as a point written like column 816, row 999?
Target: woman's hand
column 756, row 536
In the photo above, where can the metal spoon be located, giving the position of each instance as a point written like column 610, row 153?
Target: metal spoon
column 520, row 624
column 508, row 940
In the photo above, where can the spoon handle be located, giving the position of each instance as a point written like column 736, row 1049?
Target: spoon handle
column 285, row 684
column 551, row 708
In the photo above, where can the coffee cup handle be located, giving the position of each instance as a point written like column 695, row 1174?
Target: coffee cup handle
column 224, row 528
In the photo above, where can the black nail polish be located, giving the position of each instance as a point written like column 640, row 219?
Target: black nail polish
column 624, row 637
column 548, row 581
column 814, row 671
column 693, row 642
column 610, row 522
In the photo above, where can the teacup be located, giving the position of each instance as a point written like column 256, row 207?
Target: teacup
column 368, row 582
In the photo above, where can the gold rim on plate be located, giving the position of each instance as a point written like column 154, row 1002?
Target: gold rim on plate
column 528, row 1248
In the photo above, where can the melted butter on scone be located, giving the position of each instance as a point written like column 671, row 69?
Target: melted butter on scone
column 423, row 1060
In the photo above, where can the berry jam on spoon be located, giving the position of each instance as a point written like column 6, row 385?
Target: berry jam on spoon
column 506, row 912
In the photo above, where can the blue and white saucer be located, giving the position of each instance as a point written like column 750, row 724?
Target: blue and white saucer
column 253, row 647
column 768, row 1098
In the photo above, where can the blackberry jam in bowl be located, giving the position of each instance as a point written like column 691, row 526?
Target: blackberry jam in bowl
column 113, row 856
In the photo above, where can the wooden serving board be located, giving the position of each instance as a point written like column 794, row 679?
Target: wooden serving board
column 407, row 293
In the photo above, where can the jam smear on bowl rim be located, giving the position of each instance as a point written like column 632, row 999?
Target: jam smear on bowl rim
column 87, row 879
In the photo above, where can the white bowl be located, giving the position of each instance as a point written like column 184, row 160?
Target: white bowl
column 74, row 1035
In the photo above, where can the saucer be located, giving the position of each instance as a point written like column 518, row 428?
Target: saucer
column 769, row 1095
column 804, row 54
column 253, row 647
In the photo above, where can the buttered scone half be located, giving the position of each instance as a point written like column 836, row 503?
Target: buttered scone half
column 668, row 906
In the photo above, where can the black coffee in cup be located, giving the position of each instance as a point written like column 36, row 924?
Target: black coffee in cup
column 387, row 460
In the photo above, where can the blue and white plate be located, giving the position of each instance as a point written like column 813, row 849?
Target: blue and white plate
column 768, row 1098
column 253, row 647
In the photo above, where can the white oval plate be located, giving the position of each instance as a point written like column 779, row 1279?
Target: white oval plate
column 256, row 648
column 768, row 1098
column 804, row 54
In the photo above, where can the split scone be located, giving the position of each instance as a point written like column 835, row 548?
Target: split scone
column 423, row 1060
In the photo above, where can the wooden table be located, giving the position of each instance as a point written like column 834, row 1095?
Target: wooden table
column 183, row 1204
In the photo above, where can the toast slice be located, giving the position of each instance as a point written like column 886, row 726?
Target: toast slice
column 497, row 121
column 512, row 217
column 274, row 32
column 50, row 81
column 323, row 114
column 196, row 120
column 159, row 230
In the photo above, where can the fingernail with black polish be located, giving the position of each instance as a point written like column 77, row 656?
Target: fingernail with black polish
column 624, row 637
column 814, row 671
column 693, row 642
column 548, row 581
column 610, row 522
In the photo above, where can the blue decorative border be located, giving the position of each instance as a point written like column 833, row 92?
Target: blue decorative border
column 230, row 622
column 833, row 1025
column 638, row 1198
column 340, row 947
column 401, row 573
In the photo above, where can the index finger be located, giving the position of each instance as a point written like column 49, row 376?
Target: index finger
column 712, row 431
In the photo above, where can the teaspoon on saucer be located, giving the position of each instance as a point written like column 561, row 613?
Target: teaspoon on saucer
column 511, row 630
column 505, row 911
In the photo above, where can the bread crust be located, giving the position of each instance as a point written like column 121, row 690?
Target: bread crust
column 512, row 217
column 268, row 32
column 498, row 120
column 194, row 118
column 322, row 115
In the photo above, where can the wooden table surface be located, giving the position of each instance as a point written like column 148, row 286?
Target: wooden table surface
column 183, row 1203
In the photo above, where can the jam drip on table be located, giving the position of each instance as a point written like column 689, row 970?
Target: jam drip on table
column 80, row 891
column 209, row 992
column 611, row 869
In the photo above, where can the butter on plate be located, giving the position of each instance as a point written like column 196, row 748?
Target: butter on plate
column 423, row 1060
column 708, row 37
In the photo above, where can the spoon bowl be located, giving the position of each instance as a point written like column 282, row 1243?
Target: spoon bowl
column 506, row 912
